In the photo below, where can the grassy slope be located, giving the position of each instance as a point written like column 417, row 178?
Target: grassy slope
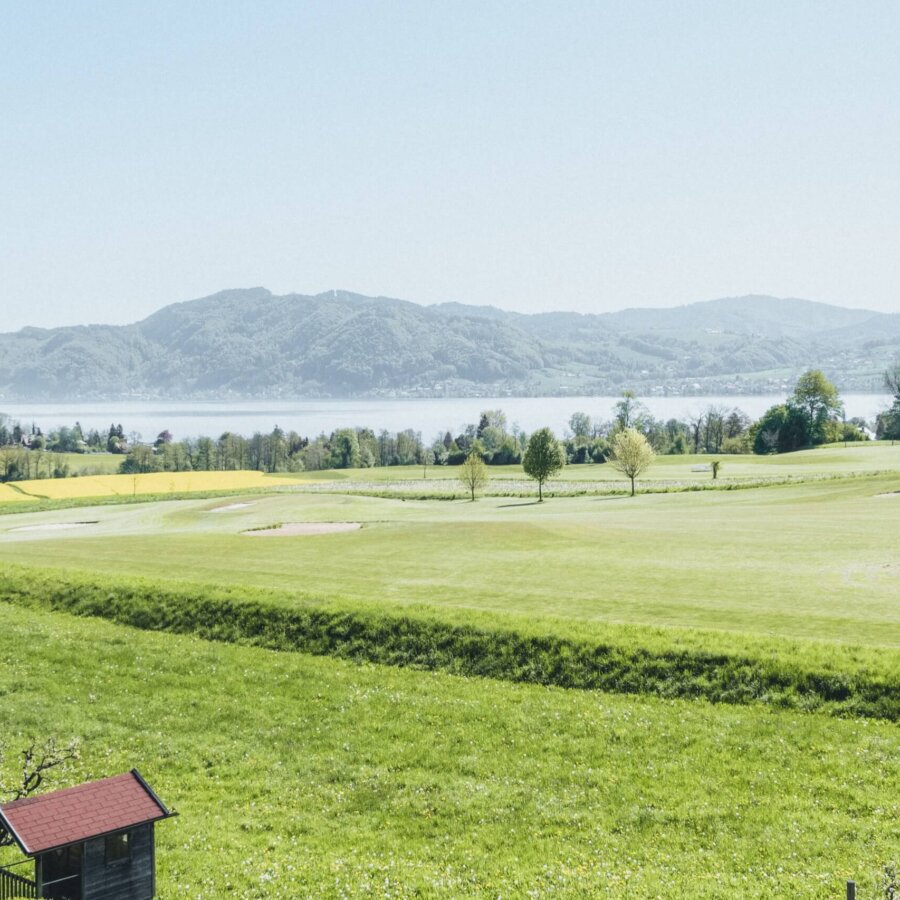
column 846, row 681
column 811, row 561
column 312, row 777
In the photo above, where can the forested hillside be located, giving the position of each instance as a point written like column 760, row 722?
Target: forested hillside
column 253, row 344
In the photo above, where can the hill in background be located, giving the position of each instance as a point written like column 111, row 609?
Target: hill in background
column 252, row 344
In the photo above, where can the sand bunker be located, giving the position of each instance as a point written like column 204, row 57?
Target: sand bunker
column 292, row 529
column 889, row 494
column 54, row 526
column 231, row 506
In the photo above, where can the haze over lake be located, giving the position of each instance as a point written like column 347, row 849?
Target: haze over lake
column 429, row 416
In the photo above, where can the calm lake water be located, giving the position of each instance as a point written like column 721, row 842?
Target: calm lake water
column 430, row 417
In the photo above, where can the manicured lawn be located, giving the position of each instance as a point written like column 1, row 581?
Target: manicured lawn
column 302, row 777
column 816, row 560
column 689, row 471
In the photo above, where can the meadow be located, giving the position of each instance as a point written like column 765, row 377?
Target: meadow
column 333, row 775
column 84, row 464
column 297, row 776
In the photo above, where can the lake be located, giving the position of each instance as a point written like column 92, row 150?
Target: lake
column 429, row 416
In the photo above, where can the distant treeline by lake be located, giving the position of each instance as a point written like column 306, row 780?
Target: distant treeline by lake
column 428, row 416
column 711, row 425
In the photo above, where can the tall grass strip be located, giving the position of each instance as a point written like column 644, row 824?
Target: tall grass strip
column 503, row 653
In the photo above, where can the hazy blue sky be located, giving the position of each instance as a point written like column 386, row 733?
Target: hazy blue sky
column 561, row 155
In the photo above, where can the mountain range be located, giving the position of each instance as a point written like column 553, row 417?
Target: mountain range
column 252, row 344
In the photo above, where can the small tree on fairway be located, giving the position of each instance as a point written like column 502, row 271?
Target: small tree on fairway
column 427, row 460
column 544, row 457
column 631, row 454
column 473, row 473
column 715, row 465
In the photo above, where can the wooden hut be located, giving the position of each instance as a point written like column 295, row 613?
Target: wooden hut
column 89, row 842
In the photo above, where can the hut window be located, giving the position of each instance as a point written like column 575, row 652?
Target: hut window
column 118, row 848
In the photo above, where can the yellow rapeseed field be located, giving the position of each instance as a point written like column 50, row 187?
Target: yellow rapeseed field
column 134, row 485
column 10, row 495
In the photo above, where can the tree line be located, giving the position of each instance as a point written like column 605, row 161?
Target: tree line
column 811, row 415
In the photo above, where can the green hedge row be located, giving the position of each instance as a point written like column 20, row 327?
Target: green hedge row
column 392, row 638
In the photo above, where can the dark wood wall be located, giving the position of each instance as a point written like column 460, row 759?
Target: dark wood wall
column 131, row 879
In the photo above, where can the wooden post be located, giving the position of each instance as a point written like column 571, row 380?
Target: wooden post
column 851, row 890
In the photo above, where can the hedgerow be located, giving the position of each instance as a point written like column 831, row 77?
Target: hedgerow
column 497, row 651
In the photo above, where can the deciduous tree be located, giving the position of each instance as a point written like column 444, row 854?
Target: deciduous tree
column 888, row 425
column 581, row 424
column 543, row 458
column 473, row 473
column 629, row 411
column 819, row 400
column 781, row 429
column 892, row 381
column 36, row 760
column 631, row 454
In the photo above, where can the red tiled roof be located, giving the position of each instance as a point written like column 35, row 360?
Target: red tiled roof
column 78, row 813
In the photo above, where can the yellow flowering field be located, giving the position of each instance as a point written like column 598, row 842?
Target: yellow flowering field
column 8, row 494
column 134, row 485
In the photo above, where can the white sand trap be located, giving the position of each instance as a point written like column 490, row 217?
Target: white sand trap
column 54, row 526
column 292, row 529
column 889, row 494
column 232, row 506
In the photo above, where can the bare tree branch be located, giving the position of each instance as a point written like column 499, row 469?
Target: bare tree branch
column 38, row 759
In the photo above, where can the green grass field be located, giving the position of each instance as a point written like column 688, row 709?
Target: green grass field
column 91, row 463
column 304, row 777
column 835, row 459
column 98, row 478
column 816, row 560
column 314, row 776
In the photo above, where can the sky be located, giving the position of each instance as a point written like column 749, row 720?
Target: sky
column 588, row 156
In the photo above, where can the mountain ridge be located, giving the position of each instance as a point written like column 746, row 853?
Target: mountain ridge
column 252, row 344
